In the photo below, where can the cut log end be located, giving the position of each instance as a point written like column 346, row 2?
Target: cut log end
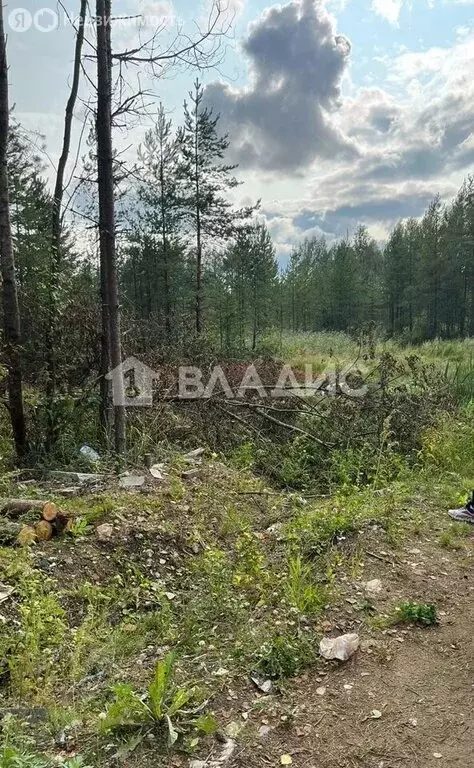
column 27, row 535
column 44, row 530
column 50, row 511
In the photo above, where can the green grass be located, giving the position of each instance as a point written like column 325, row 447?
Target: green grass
column 326, row 349
column 425, row 614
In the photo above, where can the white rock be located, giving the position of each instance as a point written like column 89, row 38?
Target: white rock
column 104, row 532
column 373, row 588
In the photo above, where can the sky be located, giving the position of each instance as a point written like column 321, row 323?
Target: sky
column 340, row 112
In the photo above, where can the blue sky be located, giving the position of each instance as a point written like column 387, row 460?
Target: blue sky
column 340, row 111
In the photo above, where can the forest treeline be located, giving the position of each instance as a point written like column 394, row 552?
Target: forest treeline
column 191, row 264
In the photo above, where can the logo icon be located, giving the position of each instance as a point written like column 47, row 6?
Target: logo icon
column 132, row 384
column 45, row 20
column 20, row 20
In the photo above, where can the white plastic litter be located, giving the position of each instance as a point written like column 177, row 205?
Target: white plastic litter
column 342, row 647
column 158, row 471
column 5, row 592
column 89, row 452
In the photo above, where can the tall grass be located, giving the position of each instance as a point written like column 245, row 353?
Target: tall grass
column 454, row 358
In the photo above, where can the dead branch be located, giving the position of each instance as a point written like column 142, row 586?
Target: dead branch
column 293, row 428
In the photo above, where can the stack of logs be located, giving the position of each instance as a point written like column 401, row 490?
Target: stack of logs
column 51, row 521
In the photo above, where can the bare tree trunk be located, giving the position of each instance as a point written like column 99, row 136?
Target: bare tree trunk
column 165, row 252
column 105, row 178
column 52, row 327
column 11, row 314
column 198, row 222
column 104, row 421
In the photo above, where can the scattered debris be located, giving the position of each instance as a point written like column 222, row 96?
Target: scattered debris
column 321, row 690
column 131, row 481
column 70, row 492
column 224, row 757
column 276, row 530
column 188, row 474
column 89, row 453
column 148, row 460
column 157, row 471
column 221, row 672
column 5, row 592
column 264, row 731
column 373, row 588
column 263, row 685
column 342, row 647
column 104, row 532
column 286, row 760
column 233, row 729
column 194, row 457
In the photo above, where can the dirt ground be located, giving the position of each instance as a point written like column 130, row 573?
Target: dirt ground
column 404, row 699
column 419, row 680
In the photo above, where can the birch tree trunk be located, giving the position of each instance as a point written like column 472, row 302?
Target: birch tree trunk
column 11, row 314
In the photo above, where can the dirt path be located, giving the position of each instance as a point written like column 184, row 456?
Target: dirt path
column 420, row 680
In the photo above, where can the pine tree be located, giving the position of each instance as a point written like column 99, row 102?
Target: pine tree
column 250, row 271
column 431, row 267
column 205, row 180
column 158, row 195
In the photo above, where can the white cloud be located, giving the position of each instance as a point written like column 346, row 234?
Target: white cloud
column 413, row 141
column 282, row 119
column 389, row 9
